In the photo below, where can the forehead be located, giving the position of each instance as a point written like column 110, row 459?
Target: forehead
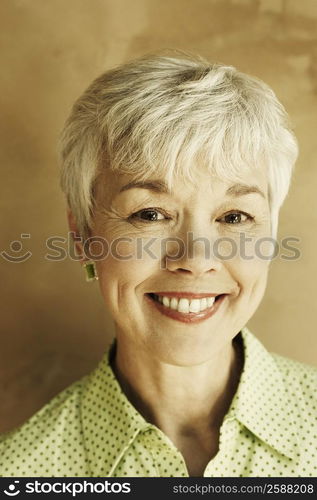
column 112, row 183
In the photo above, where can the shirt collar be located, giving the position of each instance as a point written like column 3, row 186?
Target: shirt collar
column 260, row 402
column 106, row 411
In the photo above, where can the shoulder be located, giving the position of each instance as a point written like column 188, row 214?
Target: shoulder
column 300, row 382
column 30, row 449
column 49, row 416
column 284, row 387
column 296, row 374
column 297, row 378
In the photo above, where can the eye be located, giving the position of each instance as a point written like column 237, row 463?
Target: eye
column 148, row 215
column 236, row 218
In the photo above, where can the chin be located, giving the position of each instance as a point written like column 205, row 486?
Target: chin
column 183, row 350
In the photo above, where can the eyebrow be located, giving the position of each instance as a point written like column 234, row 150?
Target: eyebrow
column 156, row 185
column 159, row 186
column 243, row 189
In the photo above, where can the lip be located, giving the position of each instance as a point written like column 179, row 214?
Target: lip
column 187, row 317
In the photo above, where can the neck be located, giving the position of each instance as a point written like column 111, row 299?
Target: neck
column 180, row 399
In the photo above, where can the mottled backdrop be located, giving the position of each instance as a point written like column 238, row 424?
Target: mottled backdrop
column 54, row 327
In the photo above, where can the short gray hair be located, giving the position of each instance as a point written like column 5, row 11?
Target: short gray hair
column 166, row 113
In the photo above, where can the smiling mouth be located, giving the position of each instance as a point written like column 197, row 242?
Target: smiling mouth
column 186, row 310
column 185, row 305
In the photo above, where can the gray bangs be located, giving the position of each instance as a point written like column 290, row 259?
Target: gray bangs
column 219, row 120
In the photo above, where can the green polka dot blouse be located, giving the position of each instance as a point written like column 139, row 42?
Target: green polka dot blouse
column 90, row 429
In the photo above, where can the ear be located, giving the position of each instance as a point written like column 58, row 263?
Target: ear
column 78, row 240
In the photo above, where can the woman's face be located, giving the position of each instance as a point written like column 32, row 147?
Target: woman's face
column 197, row 239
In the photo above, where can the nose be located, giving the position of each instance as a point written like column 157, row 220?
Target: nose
column 192, row 253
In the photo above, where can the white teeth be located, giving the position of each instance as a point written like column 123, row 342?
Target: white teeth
column 185, row 305
column 203, row 304
column 210, row 301
column 194, row 306
column 174, row 303
column 166, row 301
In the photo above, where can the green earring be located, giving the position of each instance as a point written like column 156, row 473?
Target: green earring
column 91, row 271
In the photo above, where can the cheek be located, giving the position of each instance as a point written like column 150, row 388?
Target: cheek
column 249, row 267
column 252, row 275
column 128, row 260
column 251, row 278
column 257, row 250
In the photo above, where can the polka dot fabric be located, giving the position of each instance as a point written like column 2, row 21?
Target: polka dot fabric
column 91, row 429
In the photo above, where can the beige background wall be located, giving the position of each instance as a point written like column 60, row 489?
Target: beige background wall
column 54, row 327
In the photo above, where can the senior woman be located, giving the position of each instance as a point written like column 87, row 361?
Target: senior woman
column 175, row 170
